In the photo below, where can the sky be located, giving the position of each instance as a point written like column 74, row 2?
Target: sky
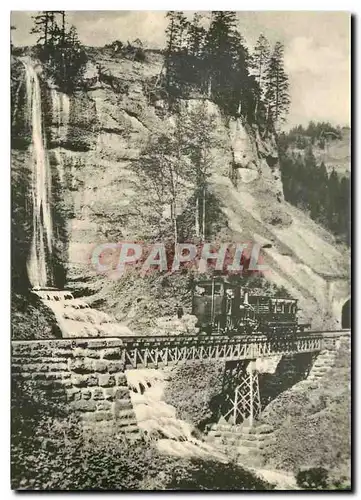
column 317, row 50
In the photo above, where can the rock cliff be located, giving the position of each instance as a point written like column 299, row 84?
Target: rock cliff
column 96, row 135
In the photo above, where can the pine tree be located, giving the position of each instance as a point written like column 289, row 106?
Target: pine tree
column 176, row 40
column 195, row 53
column 43, row 26
column 196, row 36
column 277, row 85
column 226, row 60
column 60, row 49
column 259, row 63
column 344, row 201
column 260, row 59
column 199, row 139
column 333, row 195
column 245, row 88
column 214, row 51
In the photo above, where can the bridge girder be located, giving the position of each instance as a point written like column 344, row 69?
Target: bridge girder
column 158, row 352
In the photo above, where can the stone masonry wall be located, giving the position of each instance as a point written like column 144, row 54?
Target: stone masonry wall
column 87, row 374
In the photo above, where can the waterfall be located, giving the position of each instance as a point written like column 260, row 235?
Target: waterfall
column 158, row 419
column 60, row 112
column 39, row 272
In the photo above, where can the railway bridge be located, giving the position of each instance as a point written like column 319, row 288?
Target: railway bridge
column 245, row 402
column 83, row 367
column 159, row 351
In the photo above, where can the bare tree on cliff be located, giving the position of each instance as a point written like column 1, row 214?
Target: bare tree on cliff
column 277, row 86
column 161, row 167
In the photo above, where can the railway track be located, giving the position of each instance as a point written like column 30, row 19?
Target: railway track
column 246, row 338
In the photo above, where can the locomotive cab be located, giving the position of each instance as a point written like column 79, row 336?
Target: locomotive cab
column 208, row 303
column 225, row 307
column 282, row 316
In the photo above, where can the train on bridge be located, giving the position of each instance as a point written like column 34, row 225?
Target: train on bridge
column 223, row 307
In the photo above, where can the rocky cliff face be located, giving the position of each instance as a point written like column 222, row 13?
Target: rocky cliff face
column 95, row 136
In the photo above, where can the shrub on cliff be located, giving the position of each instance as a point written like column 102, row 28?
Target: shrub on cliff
column 313, row 424
column 318, row 478
column 31, row 319
column 133, row 51
column 212, row 476
column 49, row 450
column 193, row 391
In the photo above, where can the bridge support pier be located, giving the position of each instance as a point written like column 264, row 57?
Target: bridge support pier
column 244, row 405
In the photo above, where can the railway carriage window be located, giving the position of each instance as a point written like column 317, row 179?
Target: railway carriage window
column 279, row 307
column 217, row 290
column 199, row 291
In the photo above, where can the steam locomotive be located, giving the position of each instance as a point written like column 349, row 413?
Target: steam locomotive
column 226, row 308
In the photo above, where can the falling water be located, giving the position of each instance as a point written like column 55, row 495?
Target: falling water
column 61, row 112
column 157, row 418
column 76, row 318
column 40, row 274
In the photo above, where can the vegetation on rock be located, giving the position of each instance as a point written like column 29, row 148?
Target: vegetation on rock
column 194, row 390
column 316, row 133
column 30, row 318
column 171, row 160
column 50, row 451
column 307, row 185
column 217, row 64
column 59, row 49
column 317, row 478
column 313, row 424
